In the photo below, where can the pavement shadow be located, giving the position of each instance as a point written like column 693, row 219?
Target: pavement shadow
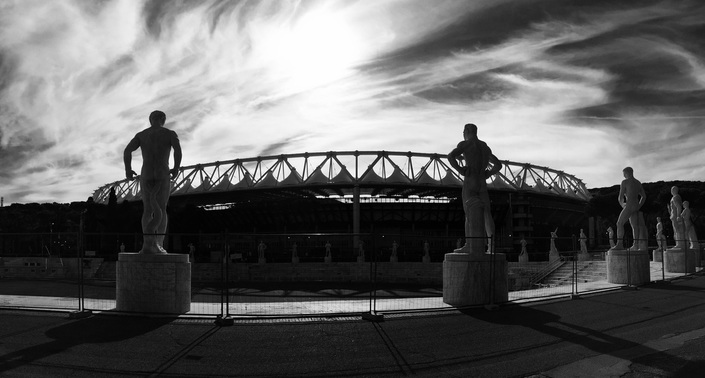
column 551, row 324
column 92, row 330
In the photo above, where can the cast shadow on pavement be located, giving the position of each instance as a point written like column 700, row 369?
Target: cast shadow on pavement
column 551, row 325
column 92, row 330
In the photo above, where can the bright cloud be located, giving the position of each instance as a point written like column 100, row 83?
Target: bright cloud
column 583, row 87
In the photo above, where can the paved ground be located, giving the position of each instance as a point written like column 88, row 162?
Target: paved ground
column 655, row 331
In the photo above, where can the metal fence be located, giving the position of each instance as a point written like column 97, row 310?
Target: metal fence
column 265, row 275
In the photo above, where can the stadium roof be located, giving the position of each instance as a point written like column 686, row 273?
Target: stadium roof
column 335, row 174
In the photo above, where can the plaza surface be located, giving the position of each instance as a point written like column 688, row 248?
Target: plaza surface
column 657, row 330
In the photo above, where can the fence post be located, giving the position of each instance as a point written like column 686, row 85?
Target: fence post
column 373, row 315
column 82, row 312
column 224, row 319
column 574, row 285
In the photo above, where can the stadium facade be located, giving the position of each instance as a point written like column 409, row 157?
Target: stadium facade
column 401, row 195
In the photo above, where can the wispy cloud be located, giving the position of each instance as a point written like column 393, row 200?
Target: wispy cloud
column 582, row 86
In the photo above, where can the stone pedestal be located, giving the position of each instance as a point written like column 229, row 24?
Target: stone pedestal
column 327, row 259
column 656, row 255
column 584, row 256
column 636, row 271
column 426, row 259
column 153, row 283
column 262, row 260
column 393, row 259
column 675, row 261
column 361, row 259
column 524, row 257
column 294, row 260
column 466, row 279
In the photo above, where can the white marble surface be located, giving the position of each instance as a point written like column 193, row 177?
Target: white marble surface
column 628, row 267
column 675, row 260
column 466, row 279
column 153, row 283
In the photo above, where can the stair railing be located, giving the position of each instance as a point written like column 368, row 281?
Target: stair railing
column 545, row 271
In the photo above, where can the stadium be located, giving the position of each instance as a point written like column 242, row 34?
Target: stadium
column 409, row 197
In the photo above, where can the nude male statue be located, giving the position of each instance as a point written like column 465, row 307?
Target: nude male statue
column 675, row 208
column 477, row 158
column 156, row 143
column 660, row 237
column 631, row 197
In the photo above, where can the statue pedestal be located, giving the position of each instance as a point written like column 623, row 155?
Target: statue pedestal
column 361, row 259
column 466, row 279
column 583, row 256
column 328, row 259
column 426, row 259
column 294, row 260
column 262, row 260
column 393, row 259
column 656, row 255
column 553, row 256
column 153, row 283
column 636, row 271
column 524, row 257
column 675, row 260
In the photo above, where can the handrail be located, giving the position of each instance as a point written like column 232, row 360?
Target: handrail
column 548, row 269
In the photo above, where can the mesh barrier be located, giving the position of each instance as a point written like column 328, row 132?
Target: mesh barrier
column 316, row 274
column 40, row 270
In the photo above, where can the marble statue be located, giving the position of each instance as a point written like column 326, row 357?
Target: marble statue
column 294, row 251
column 395, row 246
column 675, row 208
column 156, row 143
column 690, row 233
column 191, row 252
column 478, row 164
column 553, row 254
column 610, row 235
column 660, row 237
column 122, row 247
column 328, row 249
column 583, row 242
column 260, row 249
column 554, row 236
column 524, row 255
column 631, row 197
column 361, row 249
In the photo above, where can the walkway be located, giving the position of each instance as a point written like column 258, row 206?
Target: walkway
column 657, row 330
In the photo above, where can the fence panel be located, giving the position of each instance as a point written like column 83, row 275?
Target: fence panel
column 40, row 270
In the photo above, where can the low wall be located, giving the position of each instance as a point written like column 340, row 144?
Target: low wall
column 47, row 267
column 402, row 272
column 421, row 273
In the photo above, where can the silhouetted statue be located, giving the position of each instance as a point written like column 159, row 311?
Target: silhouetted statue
column 675, row 208
column 631, row 198
column 156, row 143
column 478, row 164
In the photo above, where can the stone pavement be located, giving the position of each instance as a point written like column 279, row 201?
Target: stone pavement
column 657, row 330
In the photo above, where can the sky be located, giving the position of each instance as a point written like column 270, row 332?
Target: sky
column 583, row 86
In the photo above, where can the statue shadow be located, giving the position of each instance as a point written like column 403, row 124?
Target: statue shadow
column 552, row 325
column 92, row 330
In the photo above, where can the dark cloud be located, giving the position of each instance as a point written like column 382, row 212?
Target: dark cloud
column 8, row 67
column 480, row 87
column 493, row 25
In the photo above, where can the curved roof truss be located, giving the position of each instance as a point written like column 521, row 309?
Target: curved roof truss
column 334, row 173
